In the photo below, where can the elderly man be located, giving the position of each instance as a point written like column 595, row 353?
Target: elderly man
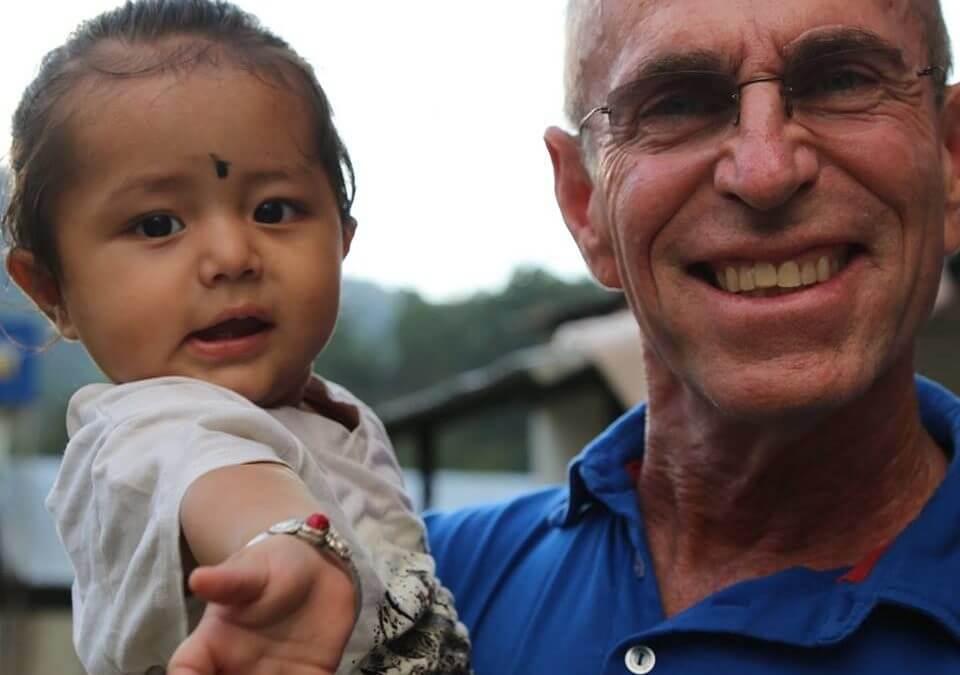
column 774, row 186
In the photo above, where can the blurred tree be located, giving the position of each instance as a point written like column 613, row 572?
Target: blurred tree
column 353, row 358
column 430, row 342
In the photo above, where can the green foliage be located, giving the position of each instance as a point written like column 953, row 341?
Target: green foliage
column 430, row 342
column 353, row 359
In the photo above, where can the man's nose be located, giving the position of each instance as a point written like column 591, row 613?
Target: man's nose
column 230, row 253
column 764, row 163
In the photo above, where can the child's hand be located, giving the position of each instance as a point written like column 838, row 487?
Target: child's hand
column 277, row 608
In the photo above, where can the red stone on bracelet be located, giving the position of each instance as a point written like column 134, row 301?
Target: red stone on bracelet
column 318, row 521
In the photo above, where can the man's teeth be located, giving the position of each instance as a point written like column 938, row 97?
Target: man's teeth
column 789, row 275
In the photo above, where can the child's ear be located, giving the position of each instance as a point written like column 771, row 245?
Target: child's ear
column 349, row 229
column 41, row 287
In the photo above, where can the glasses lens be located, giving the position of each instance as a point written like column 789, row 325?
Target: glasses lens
column 844, row 82
column 671, row 108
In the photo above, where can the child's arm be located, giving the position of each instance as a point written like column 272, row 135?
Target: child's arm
column 278, row 606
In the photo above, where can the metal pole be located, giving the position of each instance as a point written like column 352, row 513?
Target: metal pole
column 426, row 459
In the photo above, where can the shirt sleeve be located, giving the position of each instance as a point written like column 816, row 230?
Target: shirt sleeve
column 386, row 515
column 134, row 451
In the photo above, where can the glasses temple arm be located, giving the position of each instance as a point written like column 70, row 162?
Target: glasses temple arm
column 601, row 109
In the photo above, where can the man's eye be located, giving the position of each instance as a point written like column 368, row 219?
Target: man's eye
column 835, row 82
column 683, row 105
column 274, row 211
column 843, row 80
column 158, row 226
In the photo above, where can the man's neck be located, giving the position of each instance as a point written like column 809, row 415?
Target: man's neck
column 724, row 501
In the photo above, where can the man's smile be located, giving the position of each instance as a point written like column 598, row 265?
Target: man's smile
column 783, row 289
column 770, row 277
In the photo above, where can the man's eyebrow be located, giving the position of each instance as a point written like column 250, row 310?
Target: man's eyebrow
column 674, row 62
column 836, row 41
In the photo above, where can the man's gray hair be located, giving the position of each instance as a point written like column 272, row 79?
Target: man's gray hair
column 585, row 38
column 584, row 34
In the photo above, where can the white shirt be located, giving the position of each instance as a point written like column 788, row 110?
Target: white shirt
column 135, row 449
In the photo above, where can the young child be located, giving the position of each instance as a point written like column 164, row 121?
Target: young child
column 181, row 206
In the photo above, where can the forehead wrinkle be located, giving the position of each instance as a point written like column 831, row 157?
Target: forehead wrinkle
column 632, row 64
column 910, row 14
column 903, row 8
column 913, row 15
column 606, row 54
column 605, row 27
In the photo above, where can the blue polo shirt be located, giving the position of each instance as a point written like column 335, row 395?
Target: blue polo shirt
column 561, row 581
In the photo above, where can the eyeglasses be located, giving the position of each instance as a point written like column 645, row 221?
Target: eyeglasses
column 831, row 91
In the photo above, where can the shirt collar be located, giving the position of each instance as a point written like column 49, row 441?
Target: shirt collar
column 917, row 569
column 598, row 473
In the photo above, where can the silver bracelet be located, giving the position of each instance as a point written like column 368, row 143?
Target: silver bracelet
column 315, row 529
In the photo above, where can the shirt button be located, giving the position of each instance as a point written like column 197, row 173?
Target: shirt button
column 640, row 660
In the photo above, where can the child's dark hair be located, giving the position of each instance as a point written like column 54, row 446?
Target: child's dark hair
column 38, row 155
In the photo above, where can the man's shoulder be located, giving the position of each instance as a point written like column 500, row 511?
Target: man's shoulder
column 527, row 507
column 940, row 413
column 538, row 565
column 497, row 525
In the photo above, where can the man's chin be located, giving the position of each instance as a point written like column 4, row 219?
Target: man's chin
column 766, row 394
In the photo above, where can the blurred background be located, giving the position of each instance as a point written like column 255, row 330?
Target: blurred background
column 467, row 320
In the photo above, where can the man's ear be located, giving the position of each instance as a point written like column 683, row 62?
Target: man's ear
column 574, row 190
column 951, row 168
column 41, row 287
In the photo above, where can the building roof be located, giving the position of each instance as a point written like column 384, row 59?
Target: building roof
column 604, row 350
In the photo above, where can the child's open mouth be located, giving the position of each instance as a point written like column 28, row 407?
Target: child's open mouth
column 232, row 329
column 239, row 338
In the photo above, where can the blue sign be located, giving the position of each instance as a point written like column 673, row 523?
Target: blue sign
column 19, row 376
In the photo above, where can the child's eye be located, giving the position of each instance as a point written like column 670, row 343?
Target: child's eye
column 275, row 211
column 158, row 225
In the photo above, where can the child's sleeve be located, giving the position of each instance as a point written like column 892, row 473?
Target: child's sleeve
column 403, row 603
column 134, row 451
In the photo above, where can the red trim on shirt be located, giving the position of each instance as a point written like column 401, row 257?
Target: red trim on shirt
column 862, row 569
column 633, row 469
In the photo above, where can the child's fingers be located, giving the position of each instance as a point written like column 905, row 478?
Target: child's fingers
column 236, row 581
column 191, row 658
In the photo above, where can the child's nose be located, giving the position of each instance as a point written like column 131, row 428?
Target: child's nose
column 230, row 255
